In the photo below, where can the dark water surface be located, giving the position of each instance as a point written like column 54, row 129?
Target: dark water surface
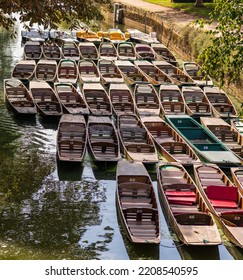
column 50, row 210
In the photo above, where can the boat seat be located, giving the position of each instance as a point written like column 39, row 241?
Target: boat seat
column 199, row 107
column 173, row 107
column 174, row 147
column 140, row 214
column 235, row 216
column 140, row 148
column 183, row 208
column 197, row 219
column 222, row 196
column 134, row 189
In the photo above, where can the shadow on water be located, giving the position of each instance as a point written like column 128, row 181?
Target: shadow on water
column 69, row 171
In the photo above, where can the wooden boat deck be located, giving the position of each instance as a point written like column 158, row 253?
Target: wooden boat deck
column 70, row 50
column 144, row 52
column 126, row 51
column 88, row 50
column 108, row 51
column 24, row 70
column 163, row 53
column 88, row 71
column 32, row 50
column 46, row 70
column 51, row 51
column 67, row 71
column 109, row 72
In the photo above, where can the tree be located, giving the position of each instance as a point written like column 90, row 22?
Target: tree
column 49, row 13
column 223, row 57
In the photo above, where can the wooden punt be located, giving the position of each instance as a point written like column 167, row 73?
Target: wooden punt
column 103, row 139
column 193, row 70
column 168, row 142
column 222, row 107
column 46, row 70
column 97, row 99
column 144, row 52
column 153, row 73
column 45, row 98
column 131, row 74
column 222, row 199
column 121, row 99
column 172, row 100
column 197, row 103
column 71, row 100
column 18, row 97
column 237, row 124
column 126, row 51
column 140, row 37
column 71, row 138
column 137, row 143
column 109, row 72
column 181, row 201
column 70, row 50
column 32, row 50
column 137, row 204
column 67, row 71
column 88, row 50
column 88, row 71
column 202, row 141
column 107, row 50
column 176, row 74
column 163, row 53
column 24, row 70
column 237, row 176
column 230, row 137
column 51, row 51
column 146, row 100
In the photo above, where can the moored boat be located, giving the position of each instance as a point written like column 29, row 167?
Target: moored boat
column 193, row 70
column 87, row 35
column 146, row 100
column 202, row 141
column 230, row 137
column 221, row 104
column 121, row 99
column 137, row 143
column 237, row 176
column 169, row 143
column 141, row 37
column 103, row 139
column 45, row 99
column 71, row 100
column 67, row 71
column 237, row 124
column 126, row 51
column 144, row 52
column 24, row 70
column 109, row 72
column 137, row 204
column 107, row 50
column 46, row 70
column 18, row 97
column 70, row 50
column 88, row 71
column 114, row 35
column 88, row 50
column 51, row 51
column 97, row 99
column 71, row 138
column 223, row 200
column 176, row 74
column 131, row 74
column 163, row 53
column 182, row 204
column 197, row 103
column 153, row 73
column 32, row 50
column 171, row 99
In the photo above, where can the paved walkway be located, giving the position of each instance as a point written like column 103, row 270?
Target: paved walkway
column 168, row 14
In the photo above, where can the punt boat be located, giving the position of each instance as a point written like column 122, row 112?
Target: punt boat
column 88, row 71
column 71, row 100
column 88, row 50
column 103, row 139
column 137, row 143
column 126, row 51
column 18, row 97
column 24, row 70
column 32, row 50
column 67, row 71
column 168, row 142
column 183, row 207
column 137, row 204
column 144, row 52
column 70, row 50
column 107, row 50
column 206, row 145
column 109, row 72
column 51, row 51
column 223, row 200
column 46, row 70
column 163, row 53
column 71, row 138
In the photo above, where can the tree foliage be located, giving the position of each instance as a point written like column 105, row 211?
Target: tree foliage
column 223, row 58
column 49, row 13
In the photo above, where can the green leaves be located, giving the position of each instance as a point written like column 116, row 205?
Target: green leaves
column 223, row 58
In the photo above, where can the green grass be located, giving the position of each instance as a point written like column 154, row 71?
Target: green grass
column 202, row 12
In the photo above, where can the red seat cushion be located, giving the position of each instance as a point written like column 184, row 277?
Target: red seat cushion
column 180, row 193
column 181, row 200
column 223, row 203
column 222, row 193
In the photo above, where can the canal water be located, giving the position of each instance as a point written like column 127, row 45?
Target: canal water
column 50, row 210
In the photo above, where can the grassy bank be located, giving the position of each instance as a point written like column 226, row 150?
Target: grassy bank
column 201, row 12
